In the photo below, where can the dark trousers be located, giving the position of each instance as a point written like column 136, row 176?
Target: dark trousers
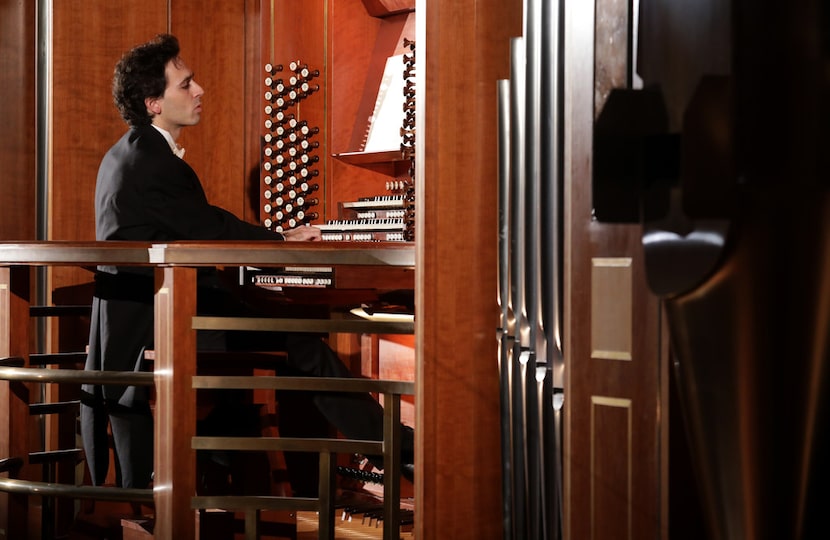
column 121, row 330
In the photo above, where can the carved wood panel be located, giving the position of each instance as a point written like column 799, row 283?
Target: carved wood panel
column 615, row 455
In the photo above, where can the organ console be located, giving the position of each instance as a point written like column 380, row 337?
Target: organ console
column 303, row 180
column 289, row 159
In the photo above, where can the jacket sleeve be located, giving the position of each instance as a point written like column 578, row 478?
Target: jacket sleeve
column 175, row 203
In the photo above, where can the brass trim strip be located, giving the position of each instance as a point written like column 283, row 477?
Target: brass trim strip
column 254, row 503
column 611, row 355
column 289, row 444
column 264, row 324
column 46, row 489
column 46, row 375
column 316, row 384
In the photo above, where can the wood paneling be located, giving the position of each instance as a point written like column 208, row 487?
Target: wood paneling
column 216, row 44
column 214, row 47
column 382, row 8
column 632, row 502
column 465, row 52
column 253, row 98
column 87, row 44
column 360, row 46
column 611, row 468
column 17, row 108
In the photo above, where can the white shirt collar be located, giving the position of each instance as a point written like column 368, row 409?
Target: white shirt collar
column 178, row 150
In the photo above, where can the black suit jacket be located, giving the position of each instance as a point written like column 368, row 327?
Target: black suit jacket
column 144, row 192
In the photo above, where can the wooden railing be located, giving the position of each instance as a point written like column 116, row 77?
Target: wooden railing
column 176, row 382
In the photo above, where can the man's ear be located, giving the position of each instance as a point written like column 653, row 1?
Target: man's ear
column 153, row 105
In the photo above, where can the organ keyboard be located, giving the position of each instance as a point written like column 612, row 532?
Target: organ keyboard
column 364, row 230
column 377, row 203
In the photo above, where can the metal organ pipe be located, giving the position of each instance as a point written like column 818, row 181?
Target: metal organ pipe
column 552, row 262
column 505, row 332
column 521, row 337
column 530, row 275
column 535, row 356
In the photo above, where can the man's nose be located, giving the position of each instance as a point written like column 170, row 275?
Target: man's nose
column 197, row 89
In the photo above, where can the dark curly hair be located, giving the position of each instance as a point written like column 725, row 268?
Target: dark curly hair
column 140, row 74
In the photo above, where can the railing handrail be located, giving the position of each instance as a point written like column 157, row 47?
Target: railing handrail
column 258, row 382
column 67, row 253
column 51, row 489
column 265, row 253
column 202, row 253
column 79, row 376
column 312, row 384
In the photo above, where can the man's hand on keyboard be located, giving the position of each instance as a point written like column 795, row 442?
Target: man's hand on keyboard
column 302, row 234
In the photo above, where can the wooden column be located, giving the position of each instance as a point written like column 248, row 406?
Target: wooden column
column 464, row 53
column 175, row 414
column 14, row 395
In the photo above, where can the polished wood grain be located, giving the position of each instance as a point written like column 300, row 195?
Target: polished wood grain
column 296, row 31
column 175, row 418
column 85, row 123
column 14, row 396
column 382, row 8
column 18, row 146
column 359, row 47
column 616, row 398
column 252, row 111
column 464, row 53
column 87, row 43
column 213, row 46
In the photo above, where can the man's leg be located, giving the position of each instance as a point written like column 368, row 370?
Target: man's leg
column 357, row 416
column 132, row 431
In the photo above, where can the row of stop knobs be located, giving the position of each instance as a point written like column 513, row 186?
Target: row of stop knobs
column 288, row 155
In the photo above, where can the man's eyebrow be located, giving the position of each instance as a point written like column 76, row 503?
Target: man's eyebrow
column 187, row 79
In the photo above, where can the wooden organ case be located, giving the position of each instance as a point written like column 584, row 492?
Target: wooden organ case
column 338, row 119
column 333, row 74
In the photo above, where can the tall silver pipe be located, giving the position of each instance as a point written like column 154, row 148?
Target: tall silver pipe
column 533, row 278
column 521, row 329
column 552, row 257
column 507, row 322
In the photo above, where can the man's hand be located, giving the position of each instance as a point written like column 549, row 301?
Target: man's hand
column 306, row 233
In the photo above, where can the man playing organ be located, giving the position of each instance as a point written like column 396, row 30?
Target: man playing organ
column 145, row 191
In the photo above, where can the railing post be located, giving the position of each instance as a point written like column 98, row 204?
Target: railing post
column 14, row 395
column 325, row 495
column 175, row 426
column 392, row 465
